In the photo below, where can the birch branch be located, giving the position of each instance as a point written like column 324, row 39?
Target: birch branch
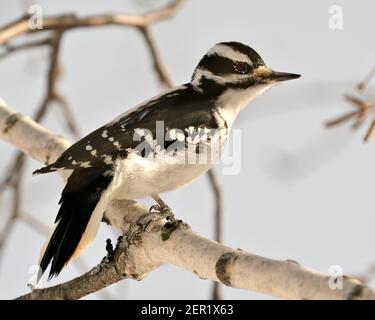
column 150, row 241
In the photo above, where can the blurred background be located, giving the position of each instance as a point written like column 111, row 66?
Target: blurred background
column 303, row 192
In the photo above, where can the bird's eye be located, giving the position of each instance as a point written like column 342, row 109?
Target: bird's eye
column 241, row 67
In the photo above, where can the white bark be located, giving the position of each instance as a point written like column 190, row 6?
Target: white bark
column 146, row 248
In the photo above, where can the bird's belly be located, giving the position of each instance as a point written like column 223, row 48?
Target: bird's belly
column 137, row 177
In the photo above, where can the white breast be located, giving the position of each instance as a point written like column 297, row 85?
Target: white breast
column 139, row 177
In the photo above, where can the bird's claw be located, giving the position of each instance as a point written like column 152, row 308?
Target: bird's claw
column 164, row 211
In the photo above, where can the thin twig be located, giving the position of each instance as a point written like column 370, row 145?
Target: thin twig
column 370, row 132
column 70, row 122
column 341, row 119
column 216, row 295
column 14, row 182
column 360, row 115
column 5, row 234
column 364, row 83
column 28, row 45
column 34, row 223
column 158, row 64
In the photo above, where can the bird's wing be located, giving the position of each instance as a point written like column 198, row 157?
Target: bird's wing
column 180, row 108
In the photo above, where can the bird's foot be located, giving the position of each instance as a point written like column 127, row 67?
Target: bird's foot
column 162, row 209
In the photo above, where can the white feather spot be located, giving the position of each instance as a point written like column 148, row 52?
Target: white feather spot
column 89, row 148
column 86, row 164
column 105, row 134
column 107, row 159
column 117, row 145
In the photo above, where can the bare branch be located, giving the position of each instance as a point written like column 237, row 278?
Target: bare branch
column 71, row 21
column 364, row 83
column 360, row 115
column 6, row 232
column 70, row 122
column 370, row 131
column 13, row 180
column 159, row 67
column 151, row 242
column 218, row 221
column 27, row 45
column 341, row 119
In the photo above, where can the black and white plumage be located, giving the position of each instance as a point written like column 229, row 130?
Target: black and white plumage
column 160, row 145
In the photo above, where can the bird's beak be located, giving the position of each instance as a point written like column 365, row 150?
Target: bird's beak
column 282, row 76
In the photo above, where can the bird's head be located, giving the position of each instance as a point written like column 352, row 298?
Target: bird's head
column 235, row 66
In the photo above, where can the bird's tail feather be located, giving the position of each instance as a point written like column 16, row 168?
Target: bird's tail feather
column 76, row 225
column 53, row 167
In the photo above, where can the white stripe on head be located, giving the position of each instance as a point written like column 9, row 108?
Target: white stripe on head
column 228, row 52
column 222, row 80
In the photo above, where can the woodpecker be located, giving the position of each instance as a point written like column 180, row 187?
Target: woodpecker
column 158, row 146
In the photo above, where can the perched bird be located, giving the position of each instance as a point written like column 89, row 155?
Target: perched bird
column 158, row 146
